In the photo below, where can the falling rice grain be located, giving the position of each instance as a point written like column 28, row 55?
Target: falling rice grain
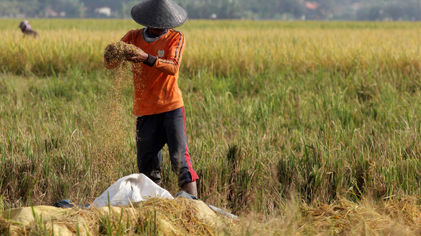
column 113, row 127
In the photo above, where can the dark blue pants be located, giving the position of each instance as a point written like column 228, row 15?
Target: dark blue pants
column 152, row 133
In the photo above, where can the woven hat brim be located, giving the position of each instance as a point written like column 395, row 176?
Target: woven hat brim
column 164, row 14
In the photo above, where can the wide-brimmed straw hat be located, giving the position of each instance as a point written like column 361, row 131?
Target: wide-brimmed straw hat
column 163, row 14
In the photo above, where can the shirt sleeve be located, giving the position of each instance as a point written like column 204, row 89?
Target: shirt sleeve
column 171, row 63
column 128, row 37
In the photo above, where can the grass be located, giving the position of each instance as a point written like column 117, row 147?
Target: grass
column 328, row 111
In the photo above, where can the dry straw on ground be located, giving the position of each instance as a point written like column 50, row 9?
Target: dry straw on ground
column 188, row 217
column 155, row 216
column 342, row 217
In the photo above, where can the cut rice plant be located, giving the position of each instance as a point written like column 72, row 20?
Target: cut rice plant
column 119, row 51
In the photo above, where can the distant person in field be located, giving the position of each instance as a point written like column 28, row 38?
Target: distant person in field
column 26, row 29
column 158, row 103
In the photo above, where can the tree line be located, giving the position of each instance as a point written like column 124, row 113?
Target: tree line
column 226, row 9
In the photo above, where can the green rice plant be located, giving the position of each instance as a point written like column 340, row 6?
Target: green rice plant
column 267, row 46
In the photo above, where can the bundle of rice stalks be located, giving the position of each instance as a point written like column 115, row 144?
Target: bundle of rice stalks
column 177, row 217
column 120, row 51
column 153, row 217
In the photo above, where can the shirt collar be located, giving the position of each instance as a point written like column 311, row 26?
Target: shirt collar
column 151, row 38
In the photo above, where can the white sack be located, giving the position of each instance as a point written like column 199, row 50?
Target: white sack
column 131, row 189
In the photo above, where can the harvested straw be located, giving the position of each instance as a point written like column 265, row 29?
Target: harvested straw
column 187, row 217
column 178, row 217
column 153, row 217
column 120, row 51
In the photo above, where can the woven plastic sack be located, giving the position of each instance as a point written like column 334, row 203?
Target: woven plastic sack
column 131, row 189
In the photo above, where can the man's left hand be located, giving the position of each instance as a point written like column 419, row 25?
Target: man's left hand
column 141, row 57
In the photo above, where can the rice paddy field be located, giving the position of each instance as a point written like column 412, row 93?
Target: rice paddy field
column 301, row 128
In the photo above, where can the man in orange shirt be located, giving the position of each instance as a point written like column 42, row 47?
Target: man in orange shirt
column 158, row 104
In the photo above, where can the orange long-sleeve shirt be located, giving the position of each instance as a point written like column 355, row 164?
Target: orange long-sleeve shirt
column 156, row 87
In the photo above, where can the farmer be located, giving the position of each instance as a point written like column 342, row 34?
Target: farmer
column 158, row 104
column 26, row 28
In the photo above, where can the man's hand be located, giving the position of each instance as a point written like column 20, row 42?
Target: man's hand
column 141, row 57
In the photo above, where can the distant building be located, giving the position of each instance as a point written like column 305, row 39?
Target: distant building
column 356, row 6
column 49, row 12
column 312, row 11
column 105, row 11
column 312, row 5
